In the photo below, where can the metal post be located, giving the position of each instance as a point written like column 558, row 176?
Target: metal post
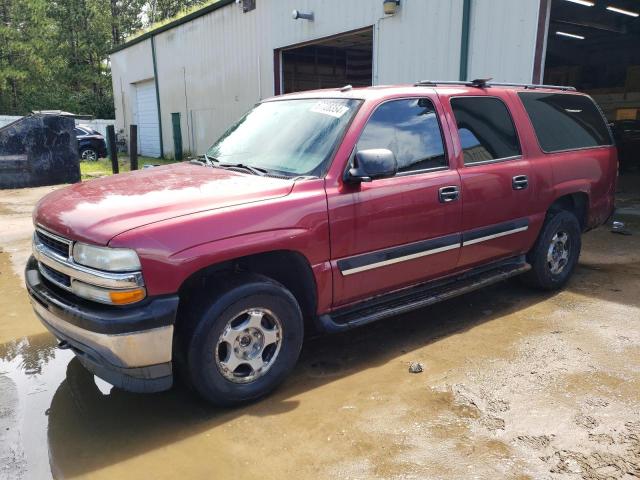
column 133, row 146
column 177, row 137
column 155, row 78
column 111, row 146
column 464, row 46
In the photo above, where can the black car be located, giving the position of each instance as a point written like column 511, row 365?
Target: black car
column 91, row 144
column 627, row 135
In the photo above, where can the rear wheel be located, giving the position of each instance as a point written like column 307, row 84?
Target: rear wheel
column 88, row 154
column 555, row 254
column 245, row 342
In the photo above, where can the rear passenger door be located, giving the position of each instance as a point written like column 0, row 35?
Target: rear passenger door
column 497, row 184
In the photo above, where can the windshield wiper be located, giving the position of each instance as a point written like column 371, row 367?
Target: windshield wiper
column 209, row 161
column 255, row 170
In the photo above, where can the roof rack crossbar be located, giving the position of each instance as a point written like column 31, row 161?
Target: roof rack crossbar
column 484, row 84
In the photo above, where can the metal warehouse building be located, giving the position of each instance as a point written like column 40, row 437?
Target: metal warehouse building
column 187, row 81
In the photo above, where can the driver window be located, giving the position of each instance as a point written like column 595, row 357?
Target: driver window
column 410, row 129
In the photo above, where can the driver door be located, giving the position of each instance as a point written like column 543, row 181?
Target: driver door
column 395, row 232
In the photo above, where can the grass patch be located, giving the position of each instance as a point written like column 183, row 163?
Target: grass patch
column 102, row 167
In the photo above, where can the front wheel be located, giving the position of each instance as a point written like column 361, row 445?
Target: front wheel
column 245, row 342
column 555, row 254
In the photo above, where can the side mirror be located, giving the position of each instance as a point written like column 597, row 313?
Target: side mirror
column 373, row 164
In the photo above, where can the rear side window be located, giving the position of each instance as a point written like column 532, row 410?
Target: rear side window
column 410, row 129
column 565, row 122
column 486, row 129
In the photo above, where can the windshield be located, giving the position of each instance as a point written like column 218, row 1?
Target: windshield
column 287, row 137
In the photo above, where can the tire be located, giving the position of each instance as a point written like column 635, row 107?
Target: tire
column 251, row 309
column 561, row 230
column 88, row 154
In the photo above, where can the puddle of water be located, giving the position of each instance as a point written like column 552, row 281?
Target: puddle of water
column 68, row 424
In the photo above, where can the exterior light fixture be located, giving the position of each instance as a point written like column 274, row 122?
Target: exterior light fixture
column 586, row 3
column 570, row 35
column 623, row 11
column 296, row 14
column 391, row 6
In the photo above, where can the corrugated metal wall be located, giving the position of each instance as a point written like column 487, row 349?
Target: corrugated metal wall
column 212, row 69
column 502, row 39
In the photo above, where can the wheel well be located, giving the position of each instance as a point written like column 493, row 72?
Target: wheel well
column 576, row 203
column 289, row 268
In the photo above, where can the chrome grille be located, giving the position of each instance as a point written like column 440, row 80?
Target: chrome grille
column 54, row 276
column 58, row 245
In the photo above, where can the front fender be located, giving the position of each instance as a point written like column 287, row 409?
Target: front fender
column 171, row 251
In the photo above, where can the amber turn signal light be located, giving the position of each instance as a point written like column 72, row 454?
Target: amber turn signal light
column 127, row 296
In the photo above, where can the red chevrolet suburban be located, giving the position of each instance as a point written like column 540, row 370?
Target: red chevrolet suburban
column 317, row 212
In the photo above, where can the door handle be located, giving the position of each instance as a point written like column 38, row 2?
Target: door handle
column 520, row 182
column 448, row 194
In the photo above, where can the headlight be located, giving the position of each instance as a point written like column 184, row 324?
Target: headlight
column 104, row 258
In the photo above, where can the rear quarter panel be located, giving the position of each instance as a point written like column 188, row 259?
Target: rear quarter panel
column 592, row 171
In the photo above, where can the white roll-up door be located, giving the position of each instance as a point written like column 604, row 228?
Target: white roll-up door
column 147, row 119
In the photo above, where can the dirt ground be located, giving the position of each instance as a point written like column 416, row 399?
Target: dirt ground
column 516, row 384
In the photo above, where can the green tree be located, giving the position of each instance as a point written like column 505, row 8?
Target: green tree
column 53, row 53
column 25, row 66
column 125, row 18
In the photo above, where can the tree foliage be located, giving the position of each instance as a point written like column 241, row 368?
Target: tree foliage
column 53, row 53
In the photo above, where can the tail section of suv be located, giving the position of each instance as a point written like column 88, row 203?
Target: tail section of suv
column 319, row 211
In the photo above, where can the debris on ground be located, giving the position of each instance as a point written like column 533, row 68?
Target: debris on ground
column 619, row 228
column 415, row 367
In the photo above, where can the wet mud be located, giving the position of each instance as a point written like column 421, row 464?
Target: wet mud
column 515, row 384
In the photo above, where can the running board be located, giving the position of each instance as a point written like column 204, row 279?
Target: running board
column 395, row 303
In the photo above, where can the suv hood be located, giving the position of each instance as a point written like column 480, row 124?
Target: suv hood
column 98, row 210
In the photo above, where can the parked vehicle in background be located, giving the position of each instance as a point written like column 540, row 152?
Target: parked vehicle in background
column 627, row 135
column 319, row 211
column 91, row 144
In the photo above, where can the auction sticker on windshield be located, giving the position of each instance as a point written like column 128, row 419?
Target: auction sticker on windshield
column 333, row 109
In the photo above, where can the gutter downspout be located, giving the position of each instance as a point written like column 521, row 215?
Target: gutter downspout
column 464, row 45
column 155, row 77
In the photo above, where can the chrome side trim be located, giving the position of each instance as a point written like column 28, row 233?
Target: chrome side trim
column 425, row 253
column 85, row 274
column 127, row 350
column 495, row 235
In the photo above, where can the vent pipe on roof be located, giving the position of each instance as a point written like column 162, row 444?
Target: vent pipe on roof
column 296, row 14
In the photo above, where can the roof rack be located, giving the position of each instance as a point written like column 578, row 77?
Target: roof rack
column 486, row 83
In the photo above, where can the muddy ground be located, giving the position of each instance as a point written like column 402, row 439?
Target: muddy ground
column 516, row 384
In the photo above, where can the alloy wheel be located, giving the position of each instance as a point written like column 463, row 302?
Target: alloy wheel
column 249, row 345
column 89, row 155
column 558, row 253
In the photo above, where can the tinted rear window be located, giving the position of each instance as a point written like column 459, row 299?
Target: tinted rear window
column 565, row 122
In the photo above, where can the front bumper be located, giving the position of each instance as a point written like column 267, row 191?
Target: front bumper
column 129, row 347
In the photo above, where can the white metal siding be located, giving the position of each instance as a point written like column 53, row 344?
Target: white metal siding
column 502, row 39
column 147, row 118
column 214, row 68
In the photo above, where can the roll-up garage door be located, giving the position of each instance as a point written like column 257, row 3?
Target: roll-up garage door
column 147, row 119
